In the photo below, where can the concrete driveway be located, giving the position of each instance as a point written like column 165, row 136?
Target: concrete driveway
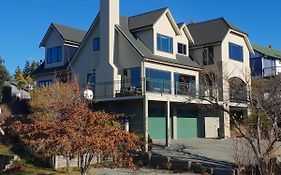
column 217, row 152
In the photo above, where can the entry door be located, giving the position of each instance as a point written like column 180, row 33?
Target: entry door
column 212, row 125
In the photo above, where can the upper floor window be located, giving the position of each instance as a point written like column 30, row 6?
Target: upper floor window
column 208, row 55
column 164, row 43
column 96, row 44
column 54, row 55
column 235, row 52
column 182, row 48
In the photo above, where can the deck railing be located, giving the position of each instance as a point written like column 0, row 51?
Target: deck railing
column 129, row 88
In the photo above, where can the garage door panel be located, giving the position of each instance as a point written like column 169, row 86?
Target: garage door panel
column 157, row 127
column 187, row 127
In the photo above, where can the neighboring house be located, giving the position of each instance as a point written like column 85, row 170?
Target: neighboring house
column 141, row 66
column 15, row 92
column 60, row 43
column 266, row 62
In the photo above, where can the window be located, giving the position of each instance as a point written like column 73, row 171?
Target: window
column 164, row 43
column 208, row 56
column 132, row 77
column 184, row 84
column 96, row 44
column 182, row 48
column 158, row 80
column 54, row 55
column 44, row 83
column 235, row 52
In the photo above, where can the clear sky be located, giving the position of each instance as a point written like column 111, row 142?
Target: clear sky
column 23, row 23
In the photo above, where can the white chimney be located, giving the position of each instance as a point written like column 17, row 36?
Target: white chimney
column 109, row 17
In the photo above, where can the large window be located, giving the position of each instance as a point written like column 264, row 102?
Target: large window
column 96, row 44
column 158, row 80
column 182, row 48
column 132, row 77
column 185, row 84
column 54, row 55
column 164, row 43
column 235, row 52
column 208, row 56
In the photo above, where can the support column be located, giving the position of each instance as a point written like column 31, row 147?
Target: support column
column 168, row 127
column 224, row 124
column 175, row 134
column 145, row 122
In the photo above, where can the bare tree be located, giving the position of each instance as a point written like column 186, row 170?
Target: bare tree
column 259, row 132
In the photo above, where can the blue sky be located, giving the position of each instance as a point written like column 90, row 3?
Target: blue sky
column 23, row 23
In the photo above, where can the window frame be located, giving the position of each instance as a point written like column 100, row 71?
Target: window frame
column 232, row 53
column 208, row 59
column 96, row 44
column 54, row 55
column 183, row 48
column 160, row 43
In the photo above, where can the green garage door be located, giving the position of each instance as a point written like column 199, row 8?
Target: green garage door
column 187, row 124
column 157, row 123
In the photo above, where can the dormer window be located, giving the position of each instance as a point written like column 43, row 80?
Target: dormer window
column 54, row 55
column 164, row 43
column 182, row 48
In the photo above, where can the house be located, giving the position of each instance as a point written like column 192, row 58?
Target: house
column 266, row 62
column 60, row 43
column 11, row 89
column 141, row 66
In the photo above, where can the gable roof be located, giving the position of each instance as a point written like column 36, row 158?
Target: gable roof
column 182, row 60
column 145, row 20
column 212, row 31
column 68, row 34
column 268, row 51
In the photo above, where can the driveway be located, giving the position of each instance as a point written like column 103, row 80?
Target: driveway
column 207, row 151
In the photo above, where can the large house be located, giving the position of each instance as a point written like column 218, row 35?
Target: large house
column 149, row 67
column 266, row 62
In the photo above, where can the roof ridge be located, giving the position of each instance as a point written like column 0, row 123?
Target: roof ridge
column 149, row 12
column 62, row 25
column 210, row 20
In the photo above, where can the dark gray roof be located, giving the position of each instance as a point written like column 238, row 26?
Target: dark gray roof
column 146, row 53
column 69, row 33
column 145, row 19
column 212, row 31
column 42, row 70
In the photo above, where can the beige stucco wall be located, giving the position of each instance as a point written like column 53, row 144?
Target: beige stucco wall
column 87, row 59
column 231, row 67
column 54, row 40
column 164, row 27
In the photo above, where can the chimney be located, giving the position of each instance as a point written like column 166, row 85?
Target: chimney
column 270, row 46
column 109, row 17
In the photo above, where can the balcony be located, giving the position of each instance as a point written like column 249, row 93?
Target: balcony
column 271, row 71
column 135, row 89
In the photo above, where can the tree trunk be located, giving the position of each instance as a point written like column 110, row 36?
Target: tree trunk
column 68, row 164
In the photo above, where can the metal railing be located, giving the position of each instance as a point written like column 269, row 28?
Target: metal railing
column 140, row 87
